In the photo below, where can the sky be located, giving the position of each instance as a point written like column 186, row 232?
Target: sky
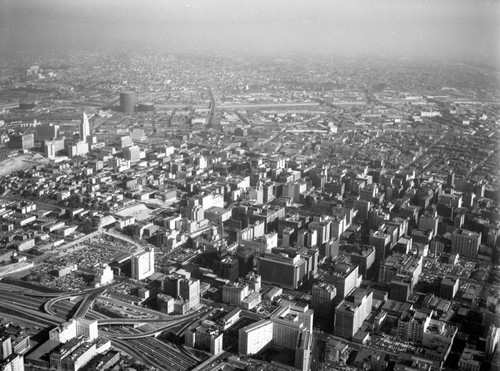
column 459, row 30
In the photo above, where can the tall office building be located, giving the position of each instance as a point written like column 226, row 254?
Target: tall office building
column 132, row 154
column 127, row 101
column 208, row 336
column 14, row 362
column 322, row 299
column 282, row 270
column 288, row 322
column 47, row 131
column 412, row 324
column 50, row 149
column 402, row 264
column 84, row 128
column 352, row 312
column 449, row 287
column 381, row 242
column 189, row 289
column 6, row 347
column 492, row 339
column 253, row 338
column 22, row 141
column 143, row 264
column 465, row 243
column 345, row 278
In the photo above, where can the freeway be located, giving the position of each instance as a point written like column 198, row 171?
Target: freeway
column 212, row 363
column 160, row 350
column 268, row 105
column 90, row 296
column 13, row 310
column 133, row 321
column 141, row 345
column 152, row 353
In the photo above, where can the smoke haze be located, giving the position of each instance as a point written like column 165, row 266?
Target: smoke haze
column 461, row 30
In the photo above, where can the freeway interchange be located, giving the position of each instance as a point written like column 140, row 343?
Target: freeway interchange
column 44, row 310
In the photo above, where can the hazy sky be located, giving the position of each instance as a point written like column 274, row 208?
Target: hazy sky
column 466, row 30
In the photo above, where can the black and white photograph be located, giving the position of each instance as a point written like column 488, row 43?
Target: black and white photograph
column 249, row 185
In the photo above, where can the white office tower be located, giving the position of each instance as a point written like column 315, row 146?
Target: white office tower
column 5, row 346
column 143, row 264
column 84, row 128
column 87, row 328
column 14, row 362
column 64, row 332
column 253, row 338
column 288, row 322
column 292, row 329
column 351, row 312
column 73, row 328
column 104, row 275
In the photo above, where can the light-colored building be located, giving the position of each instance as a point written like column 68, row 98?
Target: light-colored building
column 78, row 149
column 253, row 338
column 412, row 324
column 288, row 321
column 234, row 292
column 84, row 128
column 352, row 312
column 104, row 275
column 143, row 264
column 208, row 336
column 465, row 243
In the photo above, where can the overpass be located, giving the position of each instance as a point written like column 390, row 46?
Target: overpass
column 146, row 334
column 90, row 296
column 134, row 321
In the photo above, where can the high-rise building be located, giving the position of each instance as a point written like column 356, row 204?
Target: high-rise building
column 408, row 265
column 449, row 287
column 6, row 346
column 400, row 288
column 14, row 362
column 208, row 336
column 282, row 270
column 352, row 312
column 80, row 148
column 465, row 243
column 127, row 101
column 364, row 257
column 381, row 242
column 189, row 289
column 50, row 149
column 87, row 328
column 412, row 325
column 471, row 360
column 132, row 154
column 303, row 351
column 22, row 141
column 227, row 268
column 288, row 321
column 322, row 299
column 143, row 264
column 84, row 128
column 344, row 277
column 186, row 288
column 492, row 339
column 253, row 338
column 47, row 132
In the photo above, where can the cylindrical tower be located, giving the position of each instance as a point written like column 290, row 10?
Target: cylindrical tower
column 127, row 101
